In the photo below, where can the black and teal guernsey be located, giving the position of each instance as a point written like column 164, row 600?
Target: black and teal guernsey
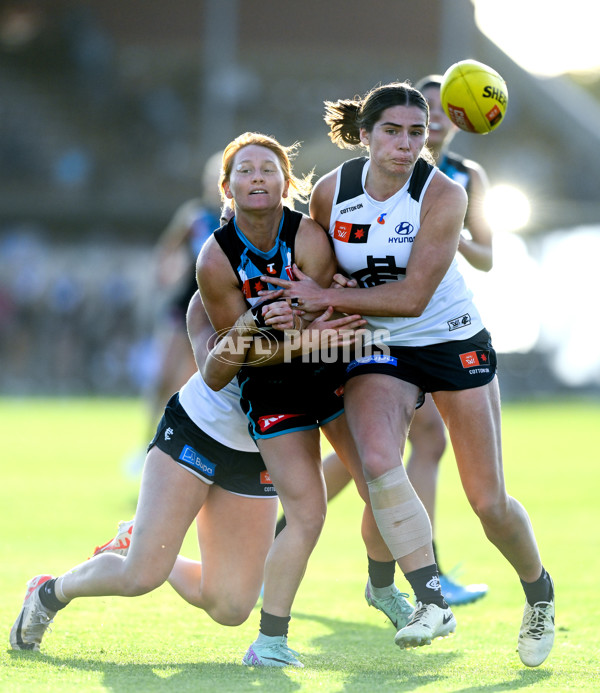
column 249, row 263
column 296, row 395
column 453, row 165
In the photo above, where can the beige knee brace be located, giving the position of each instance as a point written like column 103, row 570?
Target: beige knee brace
column 401, row 517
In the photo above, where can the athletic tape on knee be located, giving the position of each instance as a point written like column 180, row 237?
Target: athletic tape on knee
column 401, row 517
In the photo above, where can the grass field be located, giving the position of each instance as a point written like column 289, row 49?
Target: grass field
column 63, row 491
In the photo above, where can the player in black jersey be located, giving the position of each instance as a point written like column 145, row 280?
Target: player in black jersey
column 287, row 402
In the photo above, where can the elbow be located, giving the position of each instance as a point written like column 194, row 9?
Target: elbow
column 483, row 265
column 485, row 261
column 214, row 382
column 415, row 309
column 416, row 313
column 215, row 386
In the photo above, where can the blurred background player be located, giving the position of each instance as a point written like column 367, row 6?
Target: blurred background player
column 176, row 251
column 427, row 432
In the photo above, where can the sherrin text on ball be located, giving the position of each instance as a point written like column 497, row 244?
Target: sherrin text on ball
column 474, row 96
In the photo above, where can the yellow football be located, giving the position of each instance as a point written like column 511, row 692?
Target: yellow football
column 474, row 96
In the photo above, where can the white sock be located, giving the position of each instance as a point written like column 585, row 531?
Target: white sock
column 58, row 591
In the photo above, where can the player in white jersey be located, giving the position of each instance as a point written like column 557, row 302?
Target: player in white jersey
column 395, row 222
column 201, row 464
column 427, row 434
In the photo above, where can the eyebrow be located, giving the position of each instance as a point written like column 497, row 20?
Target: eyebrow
column 249, row 161
column 397, row 125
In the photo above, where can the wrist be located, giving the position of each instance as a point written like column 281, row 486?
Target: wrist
column 328, row 297
column 336, row 298
column 247, row 324
column 297, row 325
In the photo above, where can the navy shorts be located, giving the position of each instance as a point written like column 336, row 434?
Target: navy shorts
column 239, row 472
column 456, row 365
column 291, row 397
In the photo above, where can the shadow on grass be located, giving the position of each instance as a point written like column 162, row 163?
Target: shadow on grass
column 343, row 650
column 522, row 679
column 404, row 670
column 352, row 655
column 158, row 677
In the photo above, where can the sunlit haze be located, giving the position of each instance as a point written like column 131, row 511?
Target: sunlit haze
column 543, row 301
column 507, row 208
column 543, row 38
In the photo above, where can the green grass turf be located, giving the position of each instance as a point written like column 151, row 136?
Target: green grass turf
column 63, row 490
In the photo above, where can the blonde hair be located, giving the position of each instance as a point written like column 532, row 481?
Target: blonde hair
column 299, row 187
